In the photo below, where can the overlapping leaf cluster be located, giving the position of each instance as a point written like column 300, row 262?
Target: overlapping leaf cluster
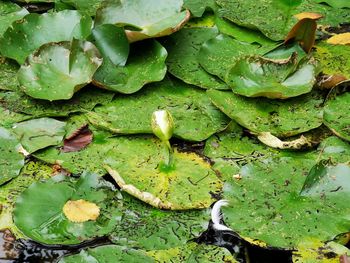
column 242, row 79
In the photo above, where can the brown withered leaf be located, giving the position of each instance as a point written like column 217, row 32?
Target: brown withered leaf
column 340, row 39
column 304, row 31
column 81, row 138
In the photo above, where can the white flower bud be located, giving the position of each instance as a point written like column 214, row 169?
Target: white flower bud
column 162, row 124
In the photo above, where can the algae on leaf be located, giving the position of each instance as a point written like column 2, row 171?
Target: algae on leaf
column 137, row 165
column 56, row 71
column 11, row 160
column 8, row 75
column 39, row 212
column 183, row 48
column 280, row 118
column 195, row 118
column 34, row 30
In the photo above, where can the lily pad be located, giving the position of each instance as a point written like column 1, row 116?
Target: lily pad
column 83, row 100
column 280, row 118
column 268, row 207
column 39, row 133
column 183, row 48
column 263, row 16
column 34, row 30
column 146, row 64
column 334, row 149
column 31, row 172
column 87, row 7
column 56, row 71
column 195, row 118
column 143, row 174
column 149, row 18
column 335, row 3
column 11, row 161
column 219, row 54
column 149, row 228
column 10, row 12
column 8, row 118
column 198, row 7
column 39, row 209
column 262, row 77
column 332, row 59
column 336, row 110
column 8, row 76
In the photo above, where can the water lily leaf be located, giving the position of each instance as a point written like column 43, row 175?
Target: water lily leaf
column 111, row 41
column 335, row 149
column 145, row 64
column 248, row 14
column 340, row 39
column 83, row 100
column 335, row 3
column 34, row 30
column 198, row 7
column 193, row 252
column 86, row 7
column 8, row 118
column 258, row 76
column 109, row 254
column 39, row 209
column 280, row 118
column 10, row 12
column 324, row 179
column 151, row 18
column 333, row 62
column 142, row 175
column 150, row 228
column 11, row 161
column 265, row 205
column 183, row 48
column 78, row 140
column 8, row 76
column 335, row 111
column 50, row 74
column 39, row 133
column 195, row 118
column 219, row 54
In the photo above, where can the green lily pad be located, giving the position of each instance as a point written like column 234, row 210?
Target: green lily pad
column 195, row 118
column 34, row 30
column 335, row 3
column 141, row 174
column 39, row 133
column 263, row 16
column 336, row 111
column 261, row 77
column 111, row 41
column 8, row 118
column 11, row 161
column 333, row 59
column 9, row 13
column 87, row 7
column 149, row 228
column 183, row 48
column 146, row 64
column 280, row 118
column 198, row 7
column 8, row 76
column 39, row 209
column 268, row 207
column 335, row 149
column 109, row 254
column 84, row 100
column 31, row 172
column 219, row 54
column 149, row 18
column 56, row 71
